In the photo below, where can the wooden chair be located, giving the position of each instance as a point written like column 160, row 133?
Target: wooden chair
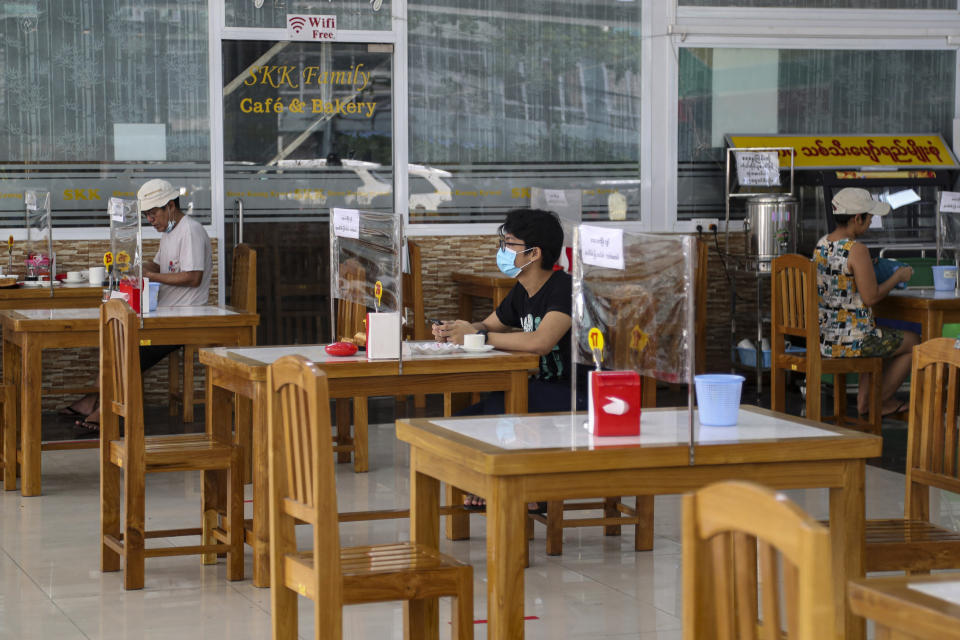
column 302, row 488
column 124, row 462
column 243, row 295
column 914, row 543
column 793, row 295
column 617, row 513
column 727, row 527
column 413, row 302
column 351, row 320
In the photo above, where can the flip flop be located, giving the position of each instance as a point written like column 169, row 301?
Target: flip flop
column 471, row 506
column 88, row 425
column 902, row 407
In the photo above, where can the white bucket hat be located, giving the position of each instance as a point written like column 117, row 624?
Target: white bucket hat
column 851, row 201
column 156, row 193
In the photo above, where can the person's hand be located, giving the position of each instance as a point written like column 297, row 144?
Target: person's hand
column 904, row 273
column 150, row 267
column 437, row 329
column 453, row 331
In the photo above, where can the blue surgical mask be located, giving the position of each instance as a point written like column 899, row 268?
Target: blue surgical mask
column 170, row 226
column 506, row 258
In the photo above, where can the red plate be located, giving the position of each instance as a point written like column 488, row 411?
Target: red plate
column 341, row 349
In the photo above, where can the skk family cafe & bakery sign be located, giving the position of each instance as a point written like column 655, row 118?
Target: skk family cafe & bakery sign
column 838, row 152
column 355, row 79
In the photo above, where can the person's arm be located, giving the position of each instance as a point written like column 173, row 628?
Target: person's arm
column 541, row 341
column 151, row 267
column 179, row 279
column 866, row 279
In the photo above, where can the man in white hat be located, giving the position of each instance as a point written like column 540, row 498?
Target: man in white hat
column 183, row 266
column 184, row 262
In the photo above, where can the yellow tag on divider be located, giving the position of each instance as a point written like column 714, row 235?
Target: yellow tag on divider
column 108, row 259
column 638, row 339
column 595, row 339
column 145, row 342
column 10, row 243
column 123, row 261
column 378, row 291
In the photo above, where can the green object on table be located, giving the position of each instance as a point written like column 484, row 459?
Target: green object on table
column 922, row 274
column 951, row 330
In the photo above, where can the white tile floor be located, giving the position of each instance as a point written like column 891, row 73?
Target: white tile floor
column 51, row 587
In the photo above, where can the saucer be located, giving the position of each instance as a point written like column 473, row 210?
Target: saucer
column 77, row 281
column 486, row 347
column 37, row 283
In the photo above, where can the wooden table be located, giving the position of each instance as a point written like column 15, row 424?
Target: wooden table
column 244, row 372
column 27, row 333
column 927, row 306
column 65, row 296
column 470, row 285
column 926, row 607
column 513, row 460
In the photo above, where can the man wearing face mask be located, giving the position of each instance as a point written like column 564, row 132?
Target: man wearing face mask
column 183, row 266
column 535, row 315
column 184, row 261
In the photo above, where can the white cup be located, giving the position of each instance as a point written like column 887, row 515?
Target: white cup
column 473, row 340
column 96, row 276
column 74, row 276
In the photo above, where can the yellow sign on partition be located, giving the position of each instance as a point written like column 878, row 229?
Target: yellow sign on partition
column 108, row 259
column 850, row 151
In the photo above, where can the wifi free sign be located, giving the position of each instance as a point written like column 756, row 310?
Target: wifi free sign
column 318, row 28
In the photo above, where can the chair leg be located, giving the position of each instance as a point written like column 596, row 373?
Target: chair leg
column 188, row 357
column 133, row 528
column 235, row 517
column 876, row 417
column 643, row 531
column 813, row 395
column 173, row 384
column 110, row 479
column 211, row 492
column 554, row 528
column 458, row 524
column 840, row 398
column 610, row 511
column 8, row 432
column 462, row 623
column 778, row 383
column 361, row 445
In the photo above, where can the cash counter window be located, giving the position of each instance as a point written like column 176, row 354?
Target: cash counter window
column 730, row 90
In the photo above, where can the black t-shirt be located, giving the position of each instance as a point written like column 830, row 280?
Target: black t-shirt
column 520, row 310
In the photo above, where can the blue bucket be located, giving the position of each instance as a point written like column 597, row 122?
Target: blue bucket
column 944, row 277
column 718, row 398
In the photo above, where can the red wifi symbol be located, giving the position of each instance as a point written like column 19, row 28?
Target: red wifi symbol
column 296, row 23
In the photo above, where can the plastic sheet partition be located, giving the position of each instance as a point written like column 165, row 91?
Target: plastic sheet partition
column 644, row 310
column 126, row 243
column 39, row 226
column 366, row 247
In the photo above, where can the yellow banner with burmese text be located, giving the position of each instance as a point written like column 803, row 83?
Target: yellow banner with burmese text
column 843, row 151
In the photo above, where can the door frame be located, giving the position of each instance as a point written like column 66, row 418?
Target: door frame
column 219, row 32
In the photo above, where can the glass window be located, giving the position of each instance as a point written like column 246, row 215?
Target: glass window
column 97, row 97
column 351, row 14
column 826, row 4
column 757, row 91
column 507, row 96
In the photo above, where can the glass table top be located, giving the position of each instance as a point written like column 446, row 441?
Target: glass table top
column 198, row 311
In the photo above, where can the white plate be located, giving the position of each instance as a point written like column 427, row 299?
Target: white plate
column 36, row 283
column 486, row 347
column 432, row 348
column 77, row 281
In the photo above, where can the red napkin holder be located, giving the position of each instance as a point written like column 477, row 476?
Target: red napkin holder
column 614, row 403
column 133, row 295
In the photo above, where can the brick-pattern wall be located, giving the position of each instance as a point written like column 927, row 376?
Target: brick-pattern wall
column 79, row 367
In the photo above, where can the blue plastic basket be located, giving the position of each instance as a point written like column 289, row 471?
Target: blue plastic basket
column 944, row 277
column 718, row 398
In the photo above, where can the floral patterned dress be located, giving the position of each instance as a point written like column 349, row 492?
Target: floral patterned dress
column 844, row 320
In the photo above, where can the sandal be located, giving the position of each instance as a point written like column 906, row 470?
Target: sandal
column 470, row 503
column 70, row 412
column 901, row 408
column 88, row 425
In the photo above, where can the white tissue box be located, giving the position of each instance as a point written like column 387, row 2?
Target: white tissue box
column 383, row 336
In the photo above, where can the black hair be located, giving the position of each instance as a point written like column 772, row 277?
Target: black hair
column 843, row 219
column 176, row 203
column 537, row 228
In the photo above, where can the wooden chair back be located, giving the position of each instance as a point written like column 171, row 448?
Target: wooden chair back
column 351, row 315
column 794, row 292
column 727, row 528
column 121, row 391
column 302, row 484
column 243, row 283
column 413, row 294
column 932, row 441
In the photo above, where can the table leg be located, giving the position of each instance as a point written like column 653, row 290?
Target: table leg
column 847, row 507
column 515, row 398
column 506, row 519
column 214, row 492
column 458, row 524
column 361, row 460
column 243, row 416
column 31, row 378
column 11, row 423
column 421, row 617
column 933, row 327
column 261, row 490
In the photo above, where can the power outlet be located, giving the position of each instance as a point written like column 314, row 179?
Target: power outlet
column 706, row 224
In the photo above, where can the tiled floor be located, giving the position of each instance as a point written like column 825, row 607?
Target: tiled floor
column 51, row 586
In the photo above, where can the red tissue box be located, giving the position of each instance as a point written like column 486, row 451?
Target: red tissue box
column 133, row 295
column 614, row 403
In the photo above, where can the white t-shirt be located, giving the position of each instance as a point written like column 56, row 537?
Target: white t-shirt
column 186, row 248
